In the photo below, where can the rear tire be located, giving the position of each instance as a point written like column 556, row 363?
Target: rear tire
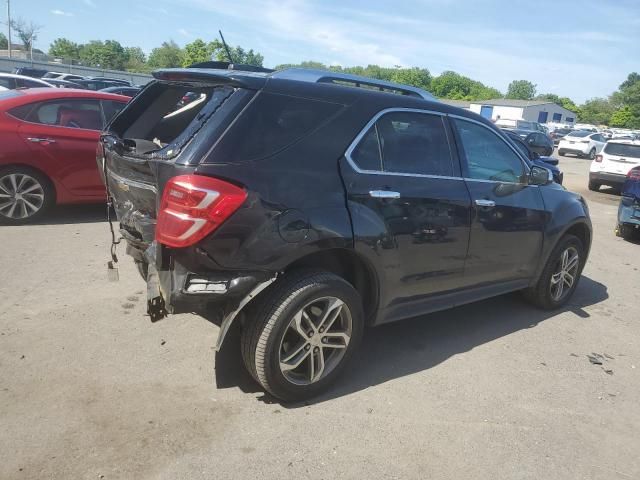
column 594, row 186
column 560, row 276
column 592, row 154
column 561, row 153
column 288, row 348
column 625, row 231
column 25, row 195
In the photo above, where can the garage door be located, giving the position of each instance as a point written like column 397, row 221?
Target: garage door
column 542, row 117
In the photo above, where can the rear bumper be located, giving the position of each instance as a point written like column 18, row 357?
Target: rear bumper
column 573, row 149
column 610, row 179
column 629, row 211
column 173, row 287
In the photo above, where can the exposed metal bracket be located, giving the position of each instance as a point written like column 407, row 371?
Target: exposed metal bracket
column 231, row 316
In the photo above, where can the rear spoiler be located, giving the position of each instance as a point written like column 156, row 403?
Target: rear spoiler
column 241, row 79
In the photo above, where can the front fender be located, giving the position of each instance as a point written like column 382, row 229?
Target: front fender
column 566, row 211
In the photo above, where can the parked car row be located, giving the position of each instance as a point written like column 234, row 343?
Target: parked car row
column 65, row 80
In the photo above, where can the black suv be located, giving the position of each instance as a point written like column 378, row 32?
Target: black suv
column 306, row 205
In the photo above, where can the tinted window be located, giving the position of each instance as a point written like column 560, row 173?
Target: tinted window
column 7, row 83
column 414, row 143
column 110, row 108
column 68, row 113
column 488, row 156
column 272, row 123
column 598, row 138
column 623, row 150
column 366, row 155
column 29, row 83
column 521, row 146
column 21, row 112
column 579, row 134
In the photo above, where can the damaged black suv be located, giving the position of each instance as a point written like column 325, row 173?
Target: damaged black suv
column 306, row 205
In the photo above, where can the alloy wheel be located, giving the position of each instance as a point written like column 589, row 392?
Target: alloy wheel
column 315, row 341
column 566, row 273
column 21, row 196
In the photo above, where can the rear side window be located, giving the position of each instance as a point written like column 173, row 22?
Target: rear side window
column 623, row 150
column 406, row 142
column 76, row 113
column 21, row 112
column 488, row 156
column 271, row 123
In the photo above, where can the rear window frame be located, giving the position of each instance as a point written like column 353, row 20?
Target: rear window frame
column 624, row 155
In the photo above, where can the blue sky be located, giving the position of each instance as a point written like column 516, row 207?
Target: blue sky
column 580, row 49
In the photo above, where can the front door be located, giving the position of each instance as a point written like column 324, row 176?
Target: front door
column 509, row 216
column 410, row 208
column 64, row 135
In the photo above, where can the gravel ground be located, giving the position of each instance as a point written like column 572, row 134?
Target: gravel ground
column 90, row 389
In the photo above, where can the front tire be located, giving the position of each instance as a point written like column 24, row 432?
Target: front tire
column 560, row 276
column 25, row 195
column 301, row 333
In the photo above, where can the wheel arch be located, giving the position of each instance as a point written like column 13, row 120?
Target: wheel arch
column 350, row 266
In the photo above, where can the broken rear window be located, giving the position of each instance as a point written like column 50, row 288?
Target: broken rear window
column 164, row 117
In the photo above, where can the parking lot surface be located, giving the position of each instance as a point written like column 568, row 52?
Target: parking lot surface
column 89, row 388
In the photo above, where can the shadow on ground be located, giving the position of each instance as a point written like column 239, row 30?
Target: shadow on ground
column 403, row 348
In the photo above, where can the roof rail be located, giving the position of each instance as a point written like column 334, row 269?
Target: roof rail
column 323, row 76
column 230, row 66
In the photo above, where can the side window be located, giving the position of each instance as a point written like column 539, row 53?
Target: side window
column 68, row 113
column 111, row 108
column 366, row 155
column 406, row 142
column 9, row 83
column 488, row 156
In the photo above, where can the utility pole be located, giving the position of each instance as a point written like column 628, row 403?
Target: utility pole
column 9, row 25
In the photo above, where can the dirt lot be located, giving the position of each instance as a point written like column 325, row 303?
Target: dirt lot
column 89, row 388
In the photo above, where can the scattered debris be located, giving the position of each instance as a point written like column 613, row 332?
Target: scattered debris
column 22, row 357
column 608, row 372
column 543, row 364
column 573, row 355
column 369, row 410
column 128, row 306
column 132, row 298
column 595, row 359
column 162, row 342
column 608, row 356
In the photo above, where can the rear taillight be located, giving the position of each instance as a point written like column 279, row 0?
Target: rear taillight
column 634, row 174
column 193, row 206
column 598, row 158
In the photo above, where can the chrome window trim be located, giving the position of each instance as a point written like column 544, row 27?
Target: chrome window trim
column 527, row 170
column 372, row 122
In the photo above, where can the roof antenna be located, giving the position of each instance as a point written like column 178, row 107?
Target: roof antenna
column 226, row 47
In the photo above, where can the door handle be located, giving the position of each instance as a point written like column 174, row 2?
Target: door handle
column 41, row 140
column 485, row 203
column 384, row 194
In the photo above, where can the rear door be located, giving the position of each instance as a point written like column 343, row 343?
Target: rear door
column 64, row 135
column 409, row 207
column 508, row 219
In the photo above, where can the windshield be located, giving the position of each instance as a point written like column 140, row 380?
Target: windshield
column 623, row 150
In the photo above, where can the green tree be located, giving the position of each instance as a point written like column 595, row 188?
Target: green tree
column 623, row 117
column 239, row 55
column 196, row 52
column 597, row 111
column 108, row 54
column 521, row 90
column 136, row 59
column 4, row 43
column 630, row 97
column 64, row 48
column 417, row 77
column 168, row 55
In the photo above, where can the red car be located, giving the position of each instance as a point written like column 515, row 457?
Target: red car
column 48, row 140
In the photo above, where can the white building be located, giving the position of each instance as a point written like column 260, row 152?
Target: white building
column 540, row 111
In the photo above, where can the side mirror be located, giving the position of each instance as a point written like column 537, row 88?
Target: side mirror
column 540, row 176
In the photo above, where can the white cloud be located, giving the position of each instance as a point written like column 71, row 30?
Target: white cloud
column 62, row 13
column 185, row 33
column 89, row 3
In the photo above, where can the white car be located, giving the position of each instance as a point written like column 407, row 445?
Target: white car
column 11, row 81
column 582, row 143
column 612, row 165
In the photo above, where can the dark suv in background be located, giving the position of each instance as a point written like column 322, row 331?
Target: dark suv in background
column 306, row 205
